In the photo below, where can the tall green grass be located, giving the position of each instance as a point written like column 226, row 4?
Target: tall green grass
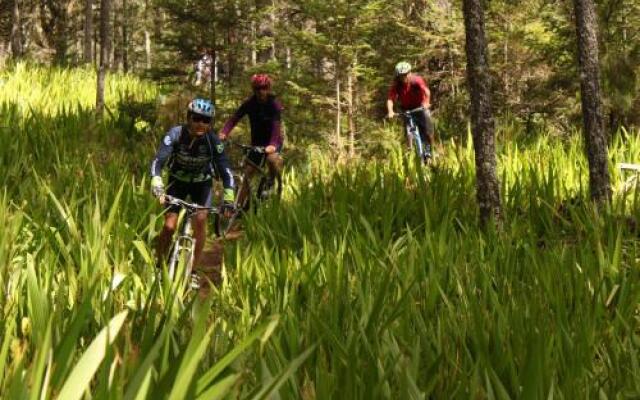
column 51, row 91
column 386, row 268
column 367, row 280
column 81, row 311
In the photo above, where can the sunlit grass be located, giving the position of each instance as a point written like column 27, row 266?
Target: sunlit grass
column 51, row 91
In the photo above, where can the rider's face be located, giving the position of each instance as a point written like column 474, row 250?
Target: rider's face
column 199, row 125
column 404, row 78
column 262, row 93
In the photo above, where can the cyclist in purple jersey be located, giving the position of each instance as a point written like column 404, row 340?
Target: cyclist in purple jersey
column 264, row 112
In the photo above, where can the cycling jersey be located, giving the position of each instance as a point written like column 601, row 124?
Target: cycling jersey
column 192, row 159
column 411, row 95
column 264, row 118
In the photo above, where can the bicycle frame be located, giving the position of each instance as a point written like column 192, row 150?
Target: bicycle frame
column 242, row 199
column 184, row 243
column 414, row 140
column 243, row 176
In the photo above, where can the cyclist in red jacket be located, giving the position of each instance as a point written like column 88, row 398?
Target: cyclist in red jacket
column 411, row 91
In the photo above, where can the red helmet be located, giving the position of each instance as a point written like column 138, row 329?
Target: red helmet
column 261, row 81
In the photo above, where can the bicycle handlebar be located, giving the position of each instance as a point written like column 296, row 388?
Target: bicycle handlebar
column 247, row 148
column 421, row 108
column 190, row 206
column 409, row 112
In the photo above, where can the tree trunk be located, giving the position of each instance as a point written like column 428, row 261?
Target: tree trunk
column 595, row 138
column 55, row 24
column 214, row 58
column 116, row 38
column 254, row 47
column 338, row 138
column 273, row 22
column 16, row 31
column 351, row 88
column 88, row 32
column 105, row 47
column 147, row 35
column 125, row 36
column 147, row 47
column 479, row 81
column 287, row 58
column 264, row 30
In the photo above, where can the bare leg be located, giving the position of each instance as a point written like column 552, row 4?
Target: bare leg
column 275, row 164
column 200, row 234
column 164, row 239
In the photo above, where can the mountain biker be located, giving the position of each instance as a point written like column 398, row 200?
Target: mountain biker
column 264, row 112
column 192, row 152
column 411, row 91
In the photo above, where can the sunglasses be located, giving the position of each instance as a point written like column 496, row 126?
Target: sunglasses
column 200, row 118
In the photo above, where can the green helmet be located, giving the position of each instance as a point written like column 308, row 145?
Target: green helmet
column 403, row 68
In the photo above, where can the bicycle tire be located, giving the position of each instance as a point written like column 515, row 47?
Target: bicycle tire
column 223, row 225
column 266, row 192
column 180, row 263
column 418, row 145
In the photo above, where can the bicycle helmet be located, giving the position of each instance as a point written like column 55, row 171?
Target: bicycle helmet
column 260, row 81
column 202, row 107
column 403, row 68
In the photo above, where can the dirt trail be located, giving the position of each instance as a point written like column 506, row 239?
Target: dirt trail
column 212, row 257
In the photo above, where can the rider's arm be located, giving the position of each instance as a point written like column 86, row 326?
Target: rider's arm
column 389, row 107
column 426, row 101
column 222, row 165
column 164, row 152
column 233, row 121
column 391, row 97
column 276, row 127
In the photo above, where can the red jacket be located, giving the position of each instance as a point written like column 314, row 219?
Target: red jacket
column 411, row 95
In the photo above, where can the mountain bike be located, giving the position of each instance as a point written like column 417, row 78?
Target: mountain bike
column 413, row 135
column 180, row 264
column 258, row 190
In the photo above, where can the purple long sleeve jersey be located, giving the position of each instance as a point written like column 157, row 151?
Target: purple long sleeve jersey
column 264, row 118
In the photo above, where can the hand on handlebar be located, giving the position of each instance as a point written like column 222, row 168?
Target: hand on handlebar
column 227, row 209
column 270, row 149
column 391, row 115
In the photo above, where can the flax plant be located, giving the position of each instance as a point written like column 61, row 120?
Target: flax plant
column 369, row 279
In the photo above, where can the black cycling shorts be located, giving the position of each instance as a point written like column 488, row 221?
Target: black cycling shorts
column 198, row 192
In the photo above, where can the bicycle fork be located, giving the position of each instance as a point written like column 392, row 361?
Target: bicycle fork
column 414, row 140
column 184, row 244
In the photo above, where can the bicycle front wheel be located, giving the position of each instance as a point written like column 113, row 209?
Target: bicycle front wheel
column 268, row 188
column 418, row 146
column 181, row 261
column 223, row 224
